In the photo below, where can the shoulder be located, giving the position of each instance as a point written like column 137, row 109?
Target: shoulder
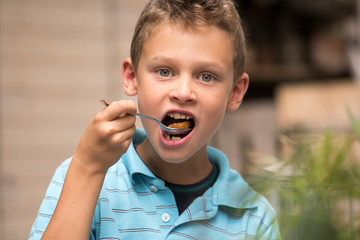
column 236, row 193
column 240, row 204
column 237, row 199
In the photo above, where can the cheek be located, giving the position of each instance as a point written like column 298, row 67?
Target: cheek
column 218, row 114
column 215, row 108
column 147, row 97
column 217, row 99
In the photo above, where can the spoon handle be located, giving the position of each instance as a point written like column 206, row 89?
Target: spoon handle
column 104, row 103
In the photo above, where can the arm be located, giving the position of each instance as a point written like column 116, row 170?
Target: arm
column 107, row 137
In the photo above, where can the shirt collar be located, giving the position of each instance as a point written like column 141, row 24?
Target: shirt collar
column 132, row 160
column 230, row 188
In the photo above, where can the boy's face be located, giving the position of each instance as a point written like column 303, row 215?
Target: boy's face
column 186, row 73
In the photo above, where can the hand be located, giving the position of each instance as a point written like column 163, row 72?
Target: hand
column 107, row 137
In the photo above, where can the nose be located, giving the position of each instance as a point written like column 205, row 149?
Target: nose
column 183, row 91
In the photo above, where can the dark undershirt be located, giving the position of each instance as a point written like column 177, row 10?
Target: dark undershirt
column 186, row 194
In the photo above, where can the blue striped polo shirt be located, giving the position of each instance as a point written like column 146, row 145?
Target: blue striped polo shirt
column 135, row 204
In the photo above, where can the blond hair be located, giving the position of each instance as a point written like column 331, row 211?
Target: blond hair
column 191, row 15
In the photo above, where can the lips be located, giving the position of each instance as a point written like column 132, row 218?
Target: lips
column 178, row 120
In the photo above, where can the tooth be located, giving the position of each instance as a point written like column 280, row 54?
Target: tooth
column 175, row 138
column 176, row 115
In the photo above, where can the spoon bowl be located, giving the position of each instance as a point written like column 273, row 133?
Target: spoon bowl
column 165, row 128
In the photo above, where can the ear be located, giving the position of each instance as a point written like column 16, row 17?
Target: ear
column 238, row 92
column 129, row 78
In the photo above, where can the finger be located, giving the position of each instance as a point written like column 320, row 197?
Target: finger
column 119, row 109
column 123, row 138
column 127, row 133
column 123, row 123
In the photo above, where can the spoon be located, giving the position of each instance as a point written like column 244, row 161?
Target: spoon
column 162, row 126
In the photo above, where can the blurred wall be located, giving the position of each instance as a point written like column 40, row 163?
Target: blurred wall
column 58, row 59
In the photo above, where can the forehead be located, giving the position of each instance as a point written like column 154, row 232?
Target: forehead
column 205, row 43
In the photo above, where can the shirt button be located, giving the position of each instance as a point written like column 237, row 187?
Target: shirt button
column 153, row 188
column 165, row 217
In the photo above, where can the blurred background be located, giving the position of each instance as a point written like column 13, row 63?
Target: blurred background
column 59, row 58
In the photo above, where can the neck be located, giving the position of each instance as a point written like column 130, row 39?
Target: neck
column 190, row 171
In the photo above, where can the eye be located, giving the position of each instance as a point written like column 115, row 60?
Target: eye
column 206, row 77
column 164, row 73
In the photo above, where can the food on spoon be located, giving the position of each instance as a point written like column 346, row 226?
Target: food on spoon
column 185, row 124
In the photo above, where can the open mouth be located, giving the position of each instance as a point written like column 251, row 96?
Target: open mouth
column 178, row 120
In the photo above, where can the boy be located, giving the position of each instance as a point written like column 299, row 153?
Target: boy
column 186, row 67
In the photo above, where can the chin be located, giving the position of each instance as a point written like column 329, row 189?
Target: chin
column 173, row 157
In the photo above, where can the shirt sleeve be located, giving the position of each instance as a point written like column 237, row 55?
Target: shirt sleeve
column 49, row 202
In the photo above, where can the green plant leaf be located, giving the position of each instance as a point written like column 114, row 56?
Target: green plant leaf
column 355, row 123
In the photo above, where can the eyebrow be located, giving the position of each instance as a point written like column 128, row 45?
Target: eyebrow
column 201, row 64
column 160, row 58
